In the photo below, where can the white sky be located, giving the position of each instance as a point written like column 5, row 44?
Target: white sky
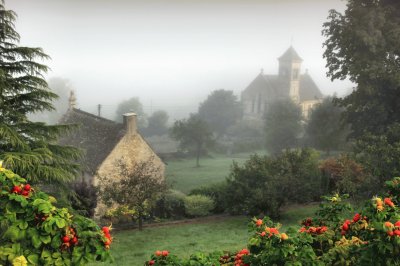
column 172, row 54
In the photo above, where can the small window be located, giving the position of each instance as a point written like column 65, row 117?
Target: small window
column 295, row 73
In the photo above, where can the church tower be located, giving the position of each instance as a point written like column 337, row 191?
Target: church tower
column 289, row 72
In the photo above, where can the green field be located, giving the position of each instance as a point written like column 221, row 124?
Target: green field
column 185, row 176
column 133, row 247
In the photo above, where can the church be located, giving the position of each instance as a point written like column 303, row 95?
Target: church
column 288, row 84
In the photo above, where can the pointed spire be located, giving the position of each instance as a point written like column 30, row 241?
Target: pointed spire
column 72, row 100
column 290, row 55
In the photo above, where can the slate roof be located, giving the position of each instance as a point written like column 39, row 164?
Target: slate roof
column 97, row 136
column 308, row 89
column 276, row 87
column 290, row 55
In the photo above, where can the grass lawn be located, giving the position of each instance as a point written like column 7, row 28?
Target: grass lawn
column 185, row 176
column 132, row 247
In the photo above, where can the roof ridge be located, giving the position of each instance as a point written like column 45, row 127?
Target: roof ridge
column 94, row 116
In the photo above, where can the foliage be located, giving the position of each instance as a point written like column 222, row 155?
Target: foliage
column 29, row 148
column 217, row 192
column 220, row 110
column 193, row 135
column 138, row 187
column 83, row 197
column 34, row 230
column 62, row 88
column 380, row 153
column 156, row 124
column 246, row 136
column 263, row 184
column 131, row 105
column 333, row 209
column 370, row 237
column 171, row 205
column 343, row 175
column 198, row 205
column 283, row 126
column 120, row 214
column 363, row 45
column 324, row 129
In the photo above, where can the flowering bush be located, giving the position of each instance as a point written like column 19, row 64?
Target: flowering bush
column 33, row 231
column 371, row 236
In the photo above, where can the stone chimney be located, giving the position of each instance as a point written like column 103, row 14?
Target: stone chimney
column 130, row 123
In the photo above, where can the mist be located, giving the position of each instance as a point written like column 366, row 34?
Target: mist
column 172, row 54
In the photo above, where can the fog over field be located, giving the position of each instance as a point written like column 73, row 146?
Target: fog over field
column 172, row 54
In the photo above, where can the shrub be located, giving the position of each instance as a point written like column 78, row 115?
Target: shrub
column 171, row 205
column 263, row 184
column 83, row 198
column 217, row 192
column 343, row 175
column 33, row 230
column 198, row 205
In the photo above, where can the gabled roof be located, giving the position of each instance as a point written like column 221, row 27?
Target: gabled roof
column 276, row 87
column 308, row 89
column 290, row 55
column 97, row 136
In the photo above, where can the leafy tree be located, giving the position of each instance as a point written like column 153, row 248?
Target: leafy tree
column 220, row 110
column 325, row 130
column 157, row 124
column 380, row 153
column 193, row 134
column 283, row 125
column 28, row 148
column 138, row 188
column 131, row 105
column 363, row 44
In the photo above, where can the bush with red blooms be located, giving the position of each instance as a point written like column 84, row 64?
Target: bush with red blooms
column 35, row 232
column 370, row 237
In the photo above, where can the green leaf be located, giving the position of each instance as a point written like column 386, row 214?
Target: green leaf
column 45, row 239
column 36, row 242
column 33, row 259
column 23, row 225
column 12, row 233
column 60, row 223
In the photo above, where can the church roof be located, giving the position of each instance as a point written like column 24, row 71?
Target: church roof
column 276, row 87
column 308, row 89
column 96, row 136
column 290, row 55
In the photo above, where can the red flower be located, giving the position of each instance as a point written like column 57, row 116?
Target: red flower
column 388, row 202
column 259, row 222
column 356, row 217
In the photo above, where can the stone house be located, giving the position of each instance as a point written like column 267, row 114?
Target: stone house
column 105, row 143
column 289, row 83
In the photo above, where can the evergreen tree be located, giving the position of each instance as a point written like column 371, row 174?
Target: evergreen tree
column 28, row 148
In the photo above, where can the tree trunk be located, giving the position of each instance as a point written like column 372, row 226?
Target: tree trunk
column 140, row 218
column 198, row 155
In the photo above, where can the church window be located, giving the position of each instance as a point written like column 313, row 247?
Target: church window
column 259, row 104
column 295, row 73
column 253, row 103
